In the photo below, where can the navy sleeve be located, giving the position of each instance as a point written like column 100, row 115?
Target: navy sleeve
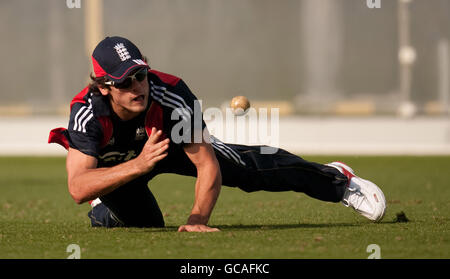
column 85, row 131
column 186, row 122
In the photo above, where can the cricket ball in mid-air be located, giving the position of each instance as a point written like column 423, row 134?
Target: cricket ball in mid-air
column 240, row 105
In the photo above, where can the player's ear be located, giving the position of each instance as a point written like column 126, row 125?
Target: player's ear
column 103, row 90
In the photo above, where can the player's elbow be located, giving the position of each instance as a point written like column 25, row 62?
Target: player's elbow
column 78, row 199
column 76, row 195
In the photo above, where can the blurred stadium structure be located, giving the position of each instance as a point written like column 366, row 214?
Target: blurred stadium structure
column 306, row 57
column 321, row 56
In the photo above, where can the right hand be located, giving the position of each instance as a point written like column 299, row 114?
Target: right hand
column 153, row 151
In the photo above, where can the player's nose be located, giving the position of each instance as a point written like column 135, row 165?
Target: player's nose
column 137, row 86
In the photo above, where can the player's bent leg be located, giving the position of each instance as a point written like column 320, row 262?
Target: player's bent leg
column 131, row 205
column 101, row 216
column 362, row 195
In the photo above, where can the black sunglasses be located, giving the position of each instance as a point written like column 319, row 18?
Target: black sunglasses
column 139, row 76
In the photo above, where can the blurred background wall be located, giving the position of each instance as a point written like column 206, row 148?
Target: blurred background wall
column 316, row 56
column 348, row 76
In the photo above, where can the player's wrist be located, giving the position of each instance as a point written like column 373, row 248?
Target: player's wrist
column 137, row 167
column 197, row 219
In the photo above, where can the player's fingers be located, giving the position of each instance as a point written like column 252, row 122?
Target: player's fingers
column 151, row 137
column 154, row 136
column 162, row 143
column 159, row 149
column 197, row 228
column 187, row 228
column 209, row 229
column 154, row 149
column 159, row 157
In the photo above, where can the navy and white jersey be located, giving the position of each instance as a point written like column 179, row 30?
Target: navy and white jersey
column 95, row 130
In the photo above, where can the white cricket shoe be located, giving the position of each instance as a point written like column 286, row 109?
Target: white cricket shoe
column 362, row 195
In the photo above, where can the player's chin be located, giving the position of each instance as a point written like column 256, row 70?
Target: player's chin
column 136, row 107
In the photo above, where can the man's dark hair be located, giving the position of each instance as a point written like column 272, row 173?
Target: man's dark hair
column 97, row 82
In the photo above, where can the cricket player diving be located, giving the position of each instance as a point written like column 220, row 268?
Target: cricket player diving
column 121, row 134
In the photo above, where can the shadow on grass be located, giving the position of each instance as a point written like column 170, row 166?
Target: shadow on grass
column 256, row 227
column 283, row 226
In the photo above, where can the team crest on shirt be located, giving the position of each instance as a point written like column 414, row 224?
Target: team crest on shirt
column 111, row 141
column 140, row 133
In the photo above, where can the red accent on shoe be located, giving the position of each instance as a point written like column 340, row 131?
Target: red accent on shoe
column 347, row 173
column 376, row 198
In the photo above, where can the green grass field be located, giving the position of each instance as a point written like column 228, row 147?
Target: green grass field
column 38, row 219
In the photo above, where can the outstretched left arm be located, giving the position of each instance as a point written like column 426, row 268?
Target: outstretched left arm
column 207, row 186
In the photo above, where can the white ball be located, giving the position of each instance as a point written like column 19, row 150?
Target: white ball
column 240, row 105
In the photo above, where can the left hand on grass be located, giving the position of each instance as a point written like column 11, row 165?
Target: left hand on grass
column 197, row 228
